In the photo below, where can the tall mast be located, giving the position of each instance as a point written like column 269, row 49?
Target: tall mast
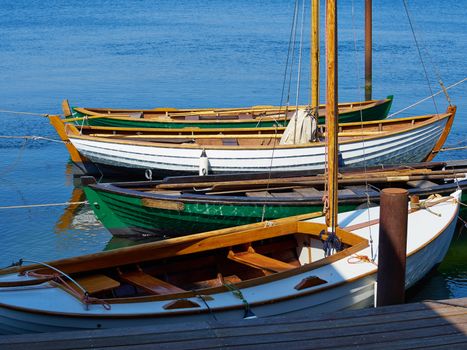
column 314, row 53
column 331, row 110
column 368, row 49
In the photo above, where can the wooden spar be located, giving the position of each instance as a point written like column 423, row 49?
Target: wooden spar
column 331, row 111
column 315, row 53
column 368, row 49
column 318, row 180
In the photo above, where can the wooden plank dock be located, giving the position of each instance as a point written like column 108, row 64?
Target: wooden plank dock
column 431, row 324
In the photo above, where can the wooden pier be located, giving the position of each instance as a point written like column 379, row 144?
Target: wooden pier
column 432, row 324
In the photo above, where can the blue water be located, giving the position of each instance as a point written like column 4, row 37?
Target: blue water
column 192, row 53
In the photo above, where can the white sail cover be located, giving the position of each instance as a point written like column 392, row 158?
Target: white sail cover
column 301, row 129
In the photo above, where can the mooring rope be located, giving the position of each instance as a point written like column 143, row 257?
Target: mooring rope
column 30, row 137
column 24, row 113
column 42, row 205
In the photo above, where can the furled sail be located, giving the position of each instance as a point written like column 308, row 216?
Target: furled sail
column 301, row 128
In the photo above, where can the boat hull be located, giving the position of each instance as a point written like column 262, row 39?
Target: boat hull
column 349, row 284
column 414, row 145
column 376, row 112
column 126, row 213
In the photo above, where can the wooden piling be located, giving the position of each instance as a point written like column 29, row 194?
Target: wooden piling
column 392, row 247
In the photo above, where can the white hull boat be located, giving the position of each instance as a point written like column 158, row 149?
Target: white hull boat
column 228, row 274
column 392, row 142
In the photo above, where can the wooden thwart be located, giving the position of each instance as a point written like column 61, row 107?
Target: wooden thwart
column 149, row 283
column 97, row 283
column 259, row 261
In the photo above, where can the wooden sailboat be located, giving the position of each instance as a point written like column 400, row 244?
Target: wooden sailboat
column 394, row 141
column 279, row 269
column 185, row 205
column 261, row 270
column 245, row 117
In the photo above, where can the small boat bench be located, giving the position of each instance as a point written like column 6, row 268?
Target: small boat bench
column 149, row 283
column 96, row 283
column 259, row 261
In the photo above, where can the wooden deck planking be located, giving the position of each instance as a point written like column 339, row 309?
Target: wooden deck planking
column 437, row 324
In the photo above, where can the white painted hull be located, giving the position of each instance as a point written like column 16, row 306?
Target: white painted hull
column 410, row 146
column 44, row 308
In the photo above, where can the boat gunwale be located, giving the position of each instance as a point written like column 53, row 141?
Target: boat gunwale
column 73, row 133
column 118, row 189
column 108, row 112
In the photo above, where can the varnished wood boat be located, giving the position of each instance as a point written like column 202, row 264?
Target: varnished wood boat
column 186, row 205
column 259, row 270
column 394, row 141
column 248, row 117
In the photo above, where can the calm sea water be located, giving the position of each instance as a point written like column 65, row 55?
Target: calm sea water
column 192, row 53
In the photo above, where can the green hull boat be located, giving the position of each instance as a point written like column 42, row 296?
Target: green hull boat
column 256, row 116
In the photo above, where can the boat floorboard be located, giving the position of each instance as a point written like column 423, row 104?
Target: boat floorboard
column 430, row 324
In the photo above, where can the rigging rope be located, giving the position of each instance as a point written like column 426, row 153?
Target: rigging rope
column 290, row 57
column 419, row 53
column 427, row 98
column 299, row 69
column 359, row 88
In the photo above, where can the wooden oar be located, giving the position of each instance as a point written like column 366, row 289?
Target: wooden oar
column 319, row 179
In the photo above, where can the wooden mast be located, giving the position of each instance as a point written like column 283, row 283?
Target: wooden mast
column 331, row 111
column 315, row 54
column 368, row 49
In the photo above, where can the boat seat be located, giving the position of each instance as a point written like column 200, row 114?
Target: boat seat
column 421, row 184
column 363, row 190
column 309, row 192
column 258, row 194
column 136, row 115
column 245, row 116
column 96, row 283
column 259, row 261
column 289, row 194
column 149, row 283
column 229, row 142
column 191, row 117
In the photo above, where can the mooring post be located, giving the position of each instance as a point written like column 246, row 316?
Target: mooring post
column 392, row 246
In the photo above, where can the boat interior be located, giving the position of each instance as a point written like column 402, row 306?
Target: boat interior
column 209, row 114
column 248, row 137
column 417, row 181
column 203, row 263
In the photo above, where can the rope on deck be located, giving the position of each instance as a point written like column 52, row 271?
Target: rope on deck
column 43, row 205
